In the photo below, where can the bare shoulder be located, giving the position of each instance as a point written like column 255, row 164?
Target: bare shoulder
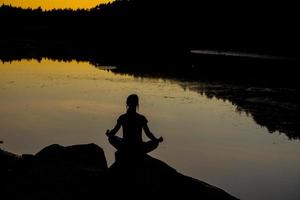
column 121, row 117
column 142, row 117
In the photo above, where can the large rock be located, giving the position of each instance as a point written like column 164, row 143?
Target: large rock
column 57, row 172
column 152, row 178
column 90, row 156
column 80, row 172
column 7, row 160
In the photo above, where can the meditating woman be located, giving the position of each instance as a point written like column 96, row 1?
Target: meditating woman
column 133, row 123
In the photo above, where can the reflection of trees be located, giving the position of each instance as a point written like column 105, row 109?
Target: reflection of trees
column 275, row 108
column 271, row 102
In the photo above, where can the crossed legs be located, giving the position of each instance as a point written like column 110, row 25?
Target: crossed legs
column 145, row 147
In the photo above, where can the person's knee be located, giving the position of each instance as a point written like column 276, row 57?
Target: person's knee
column 110, row 139
column 155, row 143
column 150, row 146
column 115, row 141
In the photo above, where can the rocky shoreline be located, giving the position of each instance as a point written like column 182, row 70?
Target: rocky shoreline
column 81, row 172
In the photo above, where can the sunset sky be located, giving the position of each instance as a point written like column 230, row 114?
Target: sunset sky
column 50, row 4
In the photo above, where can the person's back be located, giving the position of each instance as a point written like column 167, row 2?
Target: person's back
column 133, row 123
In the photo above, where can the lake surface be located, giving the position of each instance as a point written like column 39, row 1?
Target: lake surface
column 67, row 103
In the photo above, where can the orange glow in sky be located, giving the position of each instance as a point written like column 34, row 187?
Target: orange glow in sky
column 51, row 4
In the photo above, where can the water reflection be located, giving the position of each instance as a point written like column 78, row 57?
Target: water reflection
column 73, row 103
column 276, row 108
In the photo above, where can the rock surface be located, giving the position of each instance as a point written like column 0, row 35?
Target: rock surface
column 81, row 172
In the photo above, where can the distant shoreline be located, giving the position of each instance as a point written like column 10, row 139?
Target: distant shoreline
column 240, row 54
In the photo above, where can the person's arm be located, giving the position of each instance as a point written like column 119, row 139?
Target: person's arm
column 151, row 135
column 114, row 130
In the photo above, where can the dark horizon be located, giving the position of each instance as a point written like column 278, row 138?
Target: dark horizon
column 180, row 26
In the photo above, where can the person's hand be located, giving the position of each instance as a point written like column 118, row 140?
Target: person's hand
column 161, row 139
column 107, row 133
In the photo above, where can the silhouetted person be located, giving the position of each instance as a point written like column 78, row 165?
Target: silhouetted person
column 133, row 123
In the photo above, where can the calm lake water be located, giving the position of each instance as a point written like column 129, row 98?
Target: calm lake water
column 67, row 103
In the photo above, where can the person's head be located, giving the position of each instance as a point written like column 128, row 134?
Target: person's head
column 132, row 101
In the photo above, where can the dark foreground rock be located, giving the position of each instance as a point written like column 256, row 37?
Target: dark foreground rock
column 81, row 172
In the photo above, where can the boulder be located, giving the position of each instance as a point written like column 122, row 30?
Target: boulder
column 81, row 172
column 8, row 160
column 154, row 178
column 89, row 156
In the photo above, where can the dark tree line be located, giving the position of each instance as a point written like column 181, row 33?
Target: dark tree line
column 156, row 25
